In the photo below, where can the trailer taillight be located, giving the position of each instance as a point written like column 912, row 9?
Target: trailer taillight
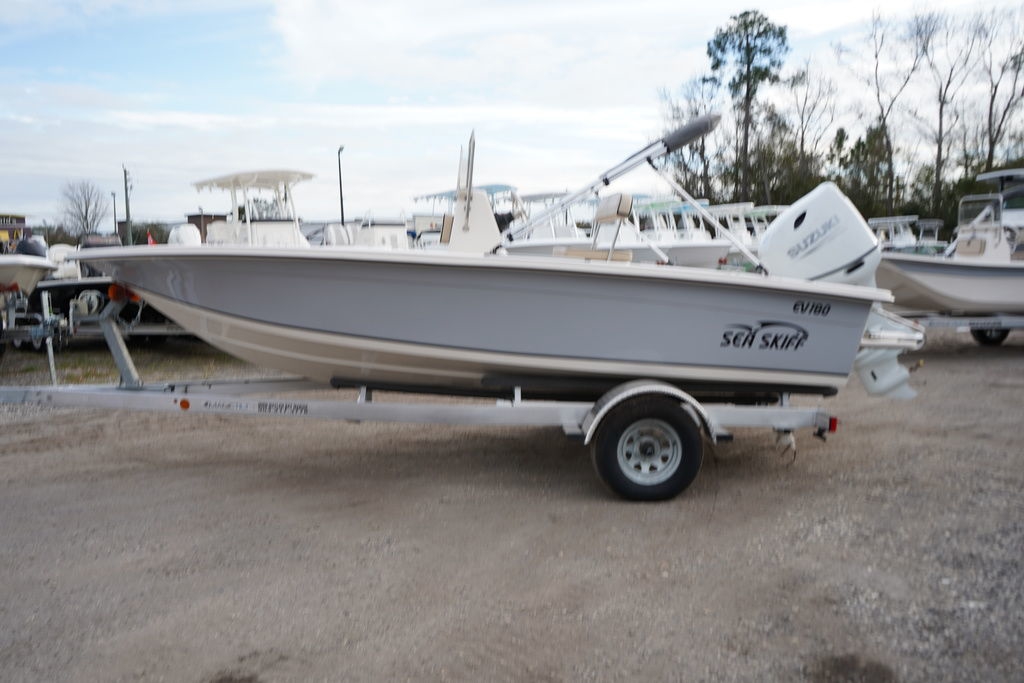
column 121, row 293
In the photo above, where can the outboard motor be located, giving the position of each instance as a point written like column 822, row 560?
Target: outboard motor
column 184, row 234
column 822, row 237
column 66, row 270
column 30, row 247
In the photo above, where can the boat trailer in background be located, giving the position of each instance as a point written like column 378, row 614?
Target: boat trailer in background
column 42, row 329
column 987, row 330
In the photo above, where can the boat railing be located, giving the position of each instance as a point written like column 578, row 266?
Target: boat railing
column 720, row 230
column 928, row 228
column 980, row 232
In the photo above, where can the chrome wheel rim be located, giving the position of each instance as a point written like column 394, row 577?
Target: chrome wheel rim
column 649, row 452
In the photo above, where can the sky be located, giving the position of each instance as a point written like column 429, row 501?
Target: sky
column 177, row 91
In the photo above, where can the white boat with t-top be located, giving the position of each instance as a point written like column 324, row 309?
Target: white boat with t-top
column 467, row 320
column 976, row 276
column 262, row 211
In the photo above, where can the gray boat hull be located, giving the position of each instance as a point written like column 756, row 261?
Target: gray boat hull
column 483, row 325
column 949, row 285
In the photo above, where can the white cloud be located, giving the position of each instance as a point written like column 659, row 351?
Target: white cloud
column 52, row 14
column 199, row 121
column 557, row 92
column 575, row 52
column 392, row 152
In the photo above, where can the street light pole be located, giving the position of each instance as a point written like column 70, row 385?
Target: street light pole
column 341, row 193
column 113, row 206
column 127, row 207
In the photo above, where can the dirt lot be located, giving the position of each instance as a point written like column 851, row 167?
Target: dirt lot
column 152, row 547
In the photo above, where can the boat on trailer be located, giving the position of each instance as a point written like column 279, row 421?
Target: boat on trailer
column 20, row 275
column 22, row 272
column 975, row 284
column 466, row 320
column 657, row 356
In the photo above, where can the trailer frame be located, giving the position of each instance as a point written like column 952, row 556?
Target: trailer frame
column 987, row 330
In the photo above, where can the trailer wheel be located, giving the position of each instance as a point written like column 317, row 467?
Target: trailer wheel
column 36, row 344
column 648, row 448
column 990, row 337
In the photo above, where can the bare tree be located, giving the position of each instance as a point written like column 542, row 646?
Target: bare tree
column 948, row 46
column 1002, row 64
column 84, row 206
column 694, row 163
column 889, row 84
column 896, row 57
column 814, row 106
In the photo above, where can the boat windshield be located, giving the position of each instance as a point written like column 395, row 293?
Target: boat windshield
column 1014, row 202
column 267, row 209
column 980, row 210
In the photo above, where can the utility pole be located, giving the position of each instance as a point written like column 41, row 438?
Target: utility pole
column 127, row 208
column 113, row 207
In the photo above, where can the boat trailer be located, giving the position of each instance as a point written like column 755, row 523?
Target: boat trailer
column 646, row 436
column 987, row 330
column 43, row 329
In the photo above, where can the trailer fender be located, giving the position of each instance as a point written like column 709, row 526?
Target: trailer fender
column 643, row 387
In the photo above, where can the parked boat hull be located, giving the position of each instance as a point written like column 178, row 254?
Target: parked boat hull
column 484, row 325
column 943, row 285
column 22, row 272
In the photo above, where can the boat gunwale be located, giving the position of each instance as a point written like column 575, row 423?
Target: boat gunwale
column 672, row 273
column 40, row 262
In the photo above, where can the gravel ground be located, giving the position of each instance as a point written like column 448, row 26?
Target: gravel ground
column 155, row 547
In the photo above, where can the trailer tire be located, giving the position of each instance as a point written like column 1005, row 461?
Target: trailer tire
column 990, row 337
column 648, row 448
column 36, row 344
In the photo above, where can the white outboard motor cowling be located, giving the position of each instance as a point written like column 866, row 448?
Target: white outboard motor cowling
column 821, row 236
column 185, row 234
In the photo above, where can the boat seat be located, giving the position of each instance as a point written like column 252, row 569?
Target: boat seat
column 974, row 246
column 612, row 208
column 447, row 221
